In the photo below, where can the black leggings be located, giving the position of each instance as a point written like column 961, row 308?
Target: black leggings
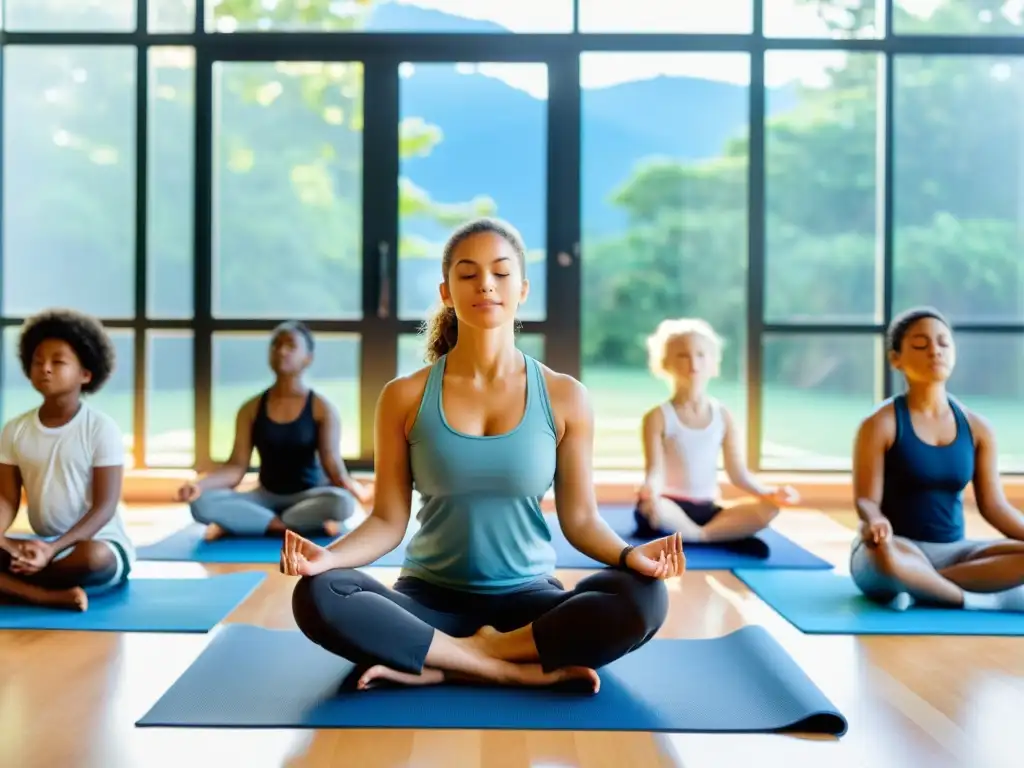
column 356, row 617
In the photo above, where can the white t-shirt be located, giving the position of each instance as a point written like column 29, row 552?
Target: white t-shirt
column 56, row 465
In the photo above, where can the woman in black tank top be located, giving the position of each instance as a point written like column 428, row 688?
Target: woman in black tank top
column 914, row 456
column 303, row 482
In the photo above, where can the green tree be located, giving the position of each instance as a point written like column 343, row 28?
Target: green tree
column 288, row 153
column 958, row 151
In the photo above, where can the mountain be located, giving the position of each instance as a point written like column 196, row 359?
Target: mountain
column 395, row 17
column 495, row 135
column 495, row 141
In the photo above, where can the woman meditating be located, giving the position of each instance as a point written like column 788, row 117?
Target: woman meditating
column 297, row 434
column 683, row 438
column 913, row 458
column 481, row 433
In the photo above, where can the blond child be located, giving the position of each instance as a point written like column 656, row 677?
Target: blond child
column 683, row 438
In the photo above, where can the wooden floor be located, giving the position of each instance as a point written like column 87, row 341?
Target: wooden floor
column 70, row 699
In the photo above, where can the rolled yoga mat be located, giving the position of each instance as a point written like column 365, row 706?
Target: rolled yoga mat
column 828, row 603
column 145, row 605
column 743, row 682
column 769, row 549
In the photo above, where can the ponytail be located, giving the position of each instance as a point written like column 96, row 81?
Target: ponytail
column 442, row 331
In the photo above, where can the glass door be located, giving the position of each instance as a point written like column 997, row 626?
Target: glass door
column 330, row 186
column 485, row 138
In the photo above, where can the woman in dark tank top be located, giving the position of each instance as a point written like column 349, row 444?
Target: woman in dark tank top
column 303, row 482
column 913, row 459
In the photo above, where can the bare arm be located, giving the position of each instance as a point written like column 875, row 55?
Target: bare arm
column 385, row 528
column 874, row 436
column 231, row 473
column 988, row 490
column 106, row 493
column 735, row 464
column 654, row 453
column 575, row 500
column 10, row 500
column 329, row 443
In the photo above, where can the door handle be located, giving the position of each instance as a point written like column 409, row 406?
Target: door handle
column 566, row 259
column 383, row 298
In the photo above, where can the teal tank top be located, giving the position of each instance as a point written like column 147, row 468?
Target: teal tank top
column 481, row 524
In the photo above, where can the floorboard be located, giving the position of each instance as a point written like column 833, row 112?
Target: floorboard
column 70, row 699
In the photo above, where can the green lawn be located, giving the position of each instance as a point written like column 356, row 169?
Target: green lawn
column 803, row 428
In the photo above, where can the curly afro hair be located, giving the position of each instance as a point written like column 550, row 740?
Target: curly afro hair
column 83, row 333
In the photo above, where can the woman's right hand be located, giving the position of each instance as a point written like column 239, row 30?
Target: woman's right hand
column 877, row 531
column 188, row 492
column 301, row 557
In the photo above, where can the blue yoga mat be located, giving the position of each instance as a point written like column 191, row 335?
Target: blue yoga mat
column 820, row 603
column 769, row 549
column 145, row 605
column 741, row 683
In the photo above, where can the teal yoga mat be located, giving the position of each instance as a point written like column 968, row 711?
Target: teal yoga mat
column 145, row 605
column 828, row 603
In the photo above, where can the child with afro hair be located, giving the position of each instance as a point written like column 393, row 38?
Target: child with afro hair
column 69, row 458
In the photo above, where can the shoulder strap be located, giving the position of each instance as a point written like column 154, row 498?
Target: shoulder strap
column 537, row 397
column 432, row 389
column 669, row 417
column 902, row 414
column 963, row 423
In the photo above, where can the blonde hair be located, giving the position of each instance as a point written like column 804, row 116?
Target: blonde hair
column 441, row 329
column 672, row 329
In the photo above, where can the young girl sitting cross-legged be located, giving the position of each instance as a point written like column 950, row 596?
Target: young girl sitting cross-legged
column 69, row 458
column 683, row 438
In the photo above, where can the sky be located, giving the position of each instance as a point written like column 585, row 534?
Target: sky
column 789, row 18
column 598, row 70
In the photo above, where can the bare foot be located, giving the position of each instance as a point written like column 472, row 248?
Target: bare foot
column 213, row 532
column 533, row 675
column 332, row 528
column 73, row 599
column 276, row 528
column 484, row 639
column 529, row 675
column 380, row 674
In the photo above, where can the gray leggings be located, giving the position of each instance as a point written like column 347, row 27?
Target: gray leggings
column 248, row 513
column 878, row 586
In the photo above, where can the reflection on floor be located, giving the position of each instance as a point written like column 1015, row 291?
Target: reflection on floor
column 70, row 699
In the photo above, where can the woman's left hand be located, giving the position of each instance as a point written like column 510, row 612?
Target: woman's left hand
column 660, row 558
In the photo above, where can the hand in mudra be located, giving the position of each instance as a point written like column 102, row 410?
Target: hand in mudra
column 660, row 558
column 301, row 557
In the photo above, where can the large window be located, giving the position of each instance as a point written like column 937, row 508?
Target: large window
column 69, row 161
column 452, row 168
column 664, row 212
column 794, row 172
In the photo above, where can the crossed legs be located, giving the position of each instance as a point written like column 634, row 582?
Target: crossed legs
column 259, row 512
column 64, row 581
column 730, row 522
column 422, row 634
column 987, row 576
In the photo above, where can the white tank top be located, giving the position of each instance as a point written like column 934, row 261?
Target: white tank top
column 691, row 455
